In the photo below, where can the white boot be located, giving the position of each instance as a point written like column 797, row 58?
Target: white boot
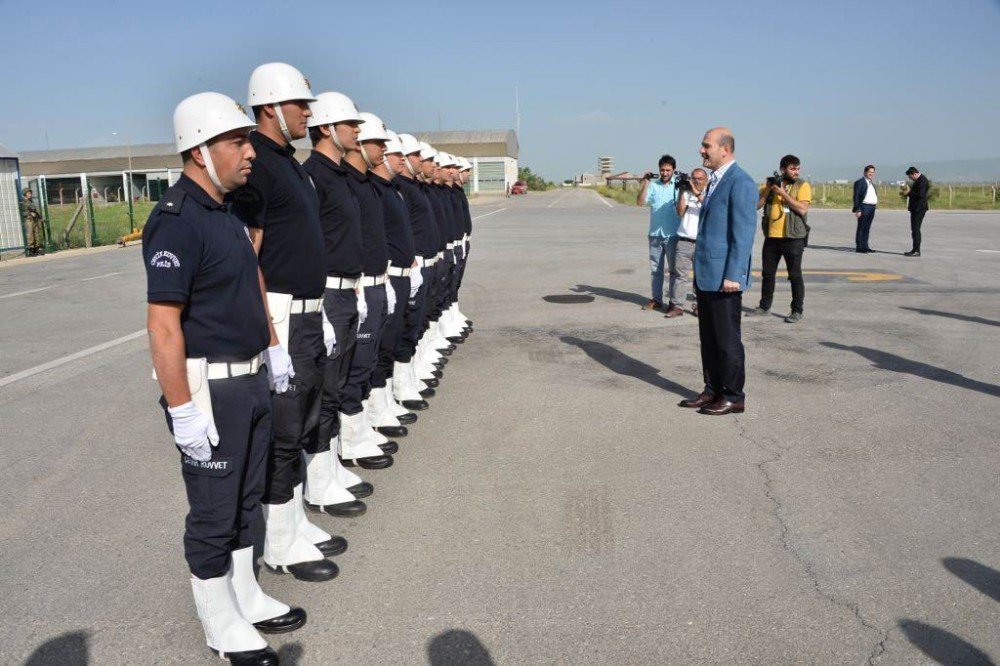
column 253, row 604
column 412, row 378
column 313, row 533
column 343, row 476
column 382, row 414
column 319, row 467
column 396, row 408
column 401, row 385
column 353, row 443
column 451, row 323
column 284, row 544
column 226, row 630
column 368, row 426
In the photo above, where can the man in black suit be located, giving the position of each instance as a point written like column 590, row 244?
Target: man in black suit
column 865, row 201
column 916, row 195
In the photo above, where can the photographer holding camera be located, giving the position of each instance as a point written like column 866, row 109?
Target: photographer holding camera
column 785, row 200
column 660, row 194
column 690, row 196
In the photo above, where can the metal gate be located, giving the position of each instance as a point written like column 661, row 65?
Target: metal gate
column 11, row 229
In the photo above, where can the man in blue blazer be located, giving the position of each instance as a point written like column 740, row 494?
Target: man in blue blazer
column 722, row 273
column 865, row 202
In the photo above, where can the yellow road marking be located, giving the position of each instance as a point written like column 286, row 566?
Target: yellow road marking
column 852, row 276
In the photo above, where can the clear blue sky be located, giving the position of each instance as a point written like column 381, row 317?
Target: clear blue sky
column 836, row 83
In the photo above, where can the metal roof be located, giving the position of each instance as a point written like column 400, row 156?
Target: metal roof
column 473, row 143
column 99, row 153
column 7, row 153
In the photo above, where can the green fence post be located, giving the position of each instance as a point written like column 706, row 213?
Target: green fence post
column 90, row 208
column 131, row 211
column 43, row 186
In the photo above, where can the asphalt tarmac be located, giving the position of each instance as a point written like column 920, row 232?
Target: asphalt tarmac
column 554, row 505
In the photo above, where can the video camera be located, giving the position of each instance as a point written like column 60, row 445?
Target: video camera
column 649, row 175
column 683, row 181
column 774, row 180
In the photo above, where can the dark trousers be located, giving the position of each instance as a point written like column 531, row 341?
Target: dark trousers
column 296, row 411
column 224, row 493
column 359, row 374
column 444, row 286
column 341, row 307
column 916, row 219
column 722, row 356
column 414, row 319
column 776, row 249
column 864, row 227
column 391, row 332
column 456, row 274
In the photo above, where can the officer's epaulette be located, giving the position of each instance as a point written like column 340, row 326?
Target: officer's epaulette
column 171, row 201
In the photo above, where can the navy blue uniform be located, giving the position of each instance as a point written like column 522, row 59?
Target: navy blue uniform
column 399, row 238
column 199, row 254
column 426, row 241
column 376, row 259
column 340, row 215
column 280, row 199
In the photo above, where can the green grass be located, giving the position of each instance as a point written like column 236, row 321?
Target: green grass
column 110, row 222
column 826, row 195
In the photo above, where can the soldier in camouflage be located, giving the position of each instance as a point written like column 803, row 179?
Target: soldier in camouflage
column 33, row 224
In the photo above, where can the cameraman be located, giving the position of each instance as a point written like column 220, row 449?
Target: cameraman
column 785, row 200
column 660, row 195
column 691, row 194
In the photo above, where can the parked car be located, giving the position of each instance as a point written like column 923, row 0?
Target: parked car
column 519, row 187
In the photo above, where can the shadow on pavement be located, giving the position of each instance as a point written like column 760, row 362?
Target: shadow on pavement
column 838, row 248
column 942, row 646
column 953, row 315
column 457, row 647
column 70, row 649
column 291, row 654
column 979, row 576
column 623, row 364
column 886, row 361
column 626, row 296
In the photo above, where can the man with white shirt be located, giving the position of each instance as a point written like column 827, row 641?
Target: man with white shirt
column 865, row 202
column 688, row 210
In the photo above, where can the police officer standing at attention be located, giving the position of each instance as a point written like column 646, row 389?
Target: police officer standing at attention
column 359, row 443
column 208, row 335
column 280, row 206
column 334, row 124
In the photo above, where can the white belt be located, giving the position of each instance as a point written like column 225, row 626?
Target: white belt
column 306, row 305
column 440, row 256
column 427, row 262
column 341, row 283
column 450, row 246
column 396, row 271
column 235, row 369
column 372, row 280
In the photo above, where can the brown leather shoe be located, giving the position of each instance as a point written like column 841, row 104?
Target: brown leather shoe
column 721, row 407
column 694, row 403
column 674, row 311
column 653, row 305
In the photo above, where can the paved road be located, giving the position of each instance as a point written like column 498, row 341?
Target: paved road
column 554, row 506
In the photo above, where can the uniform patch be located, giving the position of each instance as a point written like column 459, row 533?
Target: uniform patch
column 164, row 259
column 217, row 466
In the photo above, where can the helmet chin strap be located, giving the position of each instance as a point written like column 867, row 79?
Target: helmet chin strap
column 281, row 122
column 364, row 154
column 336, row 139
column 409, row 167
column 210, row 168
column 388, row 167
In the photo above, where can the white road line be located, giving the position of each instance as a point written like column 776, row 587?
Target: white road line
column 990, row 251
column 24, row 374
column 603, row 200
column 98, row 277
column 22, row 293
column 479, row 217
column 561, row 197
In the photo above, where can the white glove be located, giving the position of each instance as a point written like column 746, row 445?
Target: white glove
column 194, row 432
column 416, row 279
column 390, row 296
column 279, row 365
column 329, row 335
column 362, row 306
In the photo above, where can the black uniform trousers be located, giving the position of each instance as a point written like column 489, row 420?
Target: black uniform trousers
column 341, row 307
column 791, row 250
column 864, row 227
column 296, row 411
column 916, row 219
column 392, row 331
column 456, row 274
column 359, row 374
column 722, row 356
column 444, row 284
column 224, row 493
column 461, row 268
column 415, row 318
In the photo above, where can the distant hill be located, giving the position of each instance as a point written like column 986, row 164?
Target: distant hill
column 985, row 170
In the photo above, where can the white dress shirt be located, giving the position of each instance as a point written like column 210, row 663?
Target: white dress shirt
column 716, row 177
column 871, row 195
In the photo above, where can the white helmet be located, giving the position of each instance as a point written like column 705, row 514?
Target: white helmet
column 373, row 128
column 445, row 160
column 393, row 145
column 410, row 144
column 427, row 151
column 202, row 117
column 276, row 82
column 333, row 107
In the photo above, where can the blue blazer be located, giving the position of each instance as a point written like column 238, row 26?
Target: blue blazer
column 860, row 190
column 725, row 232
